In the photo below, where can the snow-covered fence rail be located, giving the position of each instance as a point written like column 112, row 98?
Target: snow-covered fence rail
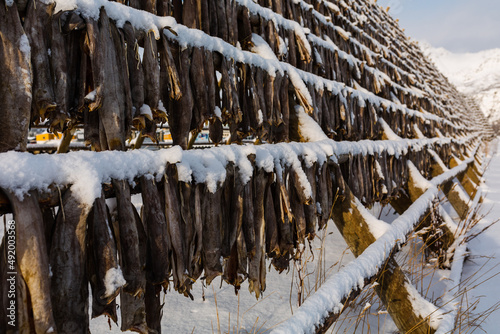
column 23, row 172
column 314, row 84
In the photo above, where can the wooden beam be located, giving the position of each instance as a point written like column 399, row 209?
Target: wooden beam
column 469, row 186
column 416, row 189
column 452, row 190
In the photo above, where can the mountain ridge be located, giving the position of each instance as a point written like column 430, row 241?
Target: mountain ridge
column 474, row 74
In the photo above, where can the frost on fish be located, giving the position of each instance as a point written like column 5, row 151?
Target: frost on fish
column 113, row 280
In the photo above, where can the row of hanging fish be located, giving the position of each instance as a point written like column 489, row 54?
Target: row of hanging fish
column 182, row 232
column 111, row 90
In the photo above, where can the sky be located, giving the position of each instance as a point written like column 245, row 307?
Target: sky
column 457, row 25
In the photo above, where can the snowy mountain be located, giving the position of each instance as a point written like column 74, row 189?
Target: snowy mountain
column 475, row 74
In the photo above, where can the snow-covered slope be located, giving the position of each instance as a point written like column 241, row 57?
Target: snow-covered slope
column 475, row 74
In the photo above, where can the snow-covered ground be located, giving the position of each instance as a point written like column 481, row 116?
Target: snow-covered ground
column 474, row 74
column 481, row 275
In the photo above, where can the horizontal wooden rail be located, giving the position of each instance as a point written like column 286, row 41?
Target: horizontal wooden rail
column 51, row 171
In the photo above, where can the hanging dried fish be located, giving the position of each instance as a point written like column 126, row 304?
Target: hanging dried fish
column 35, row 24
column 132, row 265
column 235, row 265
column 213, row 18
column 269, row 96
column 186, row 198
column 305, row 56
column 191, row 222
column 292, row 49
column 104, row 272
column 148, row 6
column 200, row 92
column 225, row 87
column 211, row 84
column 49, row 223
column 191, row 14
column 271, row 223
column 310, row 208
column 15, row 90
column 151, row 74
column 232, row 21
column 327, row 121
column 244, row 27
column 170, row 81
column 24, row 319
column 176, row 230
column 181, row 111
column 69, row 280
column 135, row 68
column 110, row 98
column 299, row 220
column 65, row 58
column 238, row 121
column 153, row 308
column 32, row 258
column 276, row 115
column 322, row 194
column 157, row 232
column 227, row 211
column 91, row 126
column 257, row 263
column 283, row 132
column 248, row 221
column 133, row 308
column 196, row 246
column 164, row 8
column 204, row 15
column 284, row 221
column 263, row 125
column 212, row 216
column 253, row 110
column 222, row 26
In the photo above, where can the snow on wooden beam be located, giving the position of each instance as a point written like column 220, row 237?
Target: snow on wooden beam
column 86, row 171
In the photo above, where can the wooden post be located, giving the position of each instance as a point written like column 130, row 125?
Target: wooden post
column 66, row 140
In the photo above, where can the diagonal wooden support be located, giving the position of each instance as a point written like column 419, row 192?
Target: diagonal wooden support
column 458, row 199
column 404, row 201
column 473, row 172
column 393, row 288
column 469, row 186
column 452, row 190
